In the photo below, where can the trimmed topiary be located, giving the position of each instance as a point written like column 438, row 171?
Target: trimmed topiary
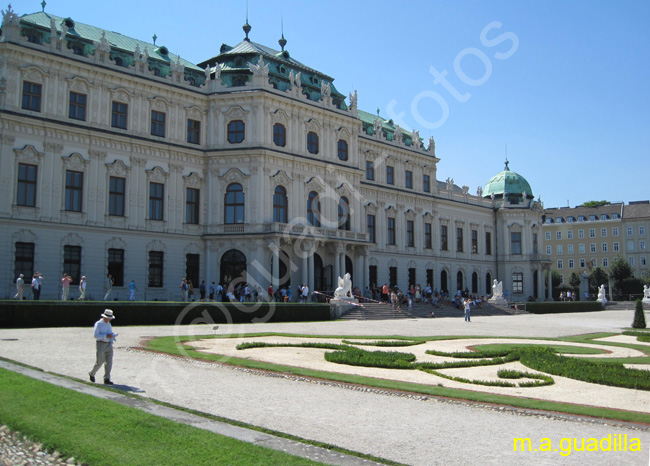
column 639, row 315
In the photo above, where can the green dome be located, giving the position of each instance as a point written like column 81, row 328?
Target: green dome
column 508, row 184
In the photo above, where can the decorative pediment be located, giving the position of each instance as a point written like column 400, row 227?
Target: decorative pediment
column 459, row 223
column 159, row 103
column 371, row 208
column 155, row 245
column 234, row 175
column 371, row 155
column 409, row 214
column 26, row 236
column 193, row 180
column 72, row 239
column 280, row 116
column 34, row 74
column 313, row 125
column 391, row 209
column 79, row 84
column 429, row 265
column 157, row 175
column 411, row 265
column 373, row 261
column 194, row 112
column 281, row 179
column 115, row 243
column 235, row 113
column 192, row 248
column 28, row 154
column 75, row 162
column 515, row 227
column 392, row 263
column 343, row 132
column 427, row 215
column 344, row 189
column 315, row 184
column 117, row 168
column 121, row 94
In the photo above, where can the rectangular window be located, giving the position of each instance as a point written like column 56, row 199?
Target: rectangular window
column 630, row 245
column 548, row 236
column 192, row 264
column 583, row 263
column 474, row 241
column 558, row 235
column 26, row 185
column 604, row 247
column 630, row 260
column 77, row 106
column 412, row 280
column 427, row 236
column 616, row 247
column 116, row 196
column 392, row 277
column 642, row 245
column 192, row 206
column 372, row 274
column 370, row 170
column 116, row 266
column 569, row 249
column 32, row 96
column 156, row 201
column 515, row 242
column 549, row 250
column 581, row 248
column 560, row 264
column 517, row 282
column 73, row 190
column 615, row 231
column 390, row 175
column 426, row 183
column 592, row 232
column 24, row 261
column 642, row 260
column 569, row 234
column 535, row 244
column 391, row 231
column 156, row 269
column 459, row 240
column 488, row 243
column 559, row 249
column 641, row 230
column 193, row 131
column 158, row 123
column 410, row 234
column 592, row 247
column 605, row 262
column 408, row 179
column 72, row 263
column 629, row 231
column 371, row 228
column 581, row 234
column 119, row 115
column 443, row 238
column 603, row 232
column 571, row 263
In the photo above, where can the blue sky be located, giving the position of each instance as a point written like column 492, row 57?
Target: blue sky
column 562, row 84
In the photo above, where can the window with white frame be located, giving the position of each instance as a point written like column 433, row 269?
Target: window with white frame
column 560, row 264
column 569, row 249
column 592, row 247
column 616, row 247
column 559, row 249
column 581, row 248
column 583, row 263
column 603, row 247
column 641, row 230
column 629, row 231
column 630, row 245
column 614, row 231
column 630, row 260
column 592, row 232
column 549, row 251
column 569, row 234
column 558, row 235
column 603, row 232
column 571, row 263
column 548, row 236
column 642, row 245
column 581, row 234
column 642, row 260
column 605, row 262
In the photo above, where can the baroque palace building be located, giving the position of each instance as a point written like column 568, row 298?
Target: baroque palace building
column 117, row 156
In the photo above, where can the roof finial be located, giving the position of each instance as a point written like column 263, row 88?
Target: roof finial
column 282, row 41
column 507, row 157
column 43, row 5
column 154, row 37
column 247, row 27
column 377, row 111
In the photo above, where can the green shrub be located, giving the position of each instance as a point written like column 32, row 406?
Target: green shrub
column 384, row 342
column 557, row 307
column 384, row 359
column 639, row 316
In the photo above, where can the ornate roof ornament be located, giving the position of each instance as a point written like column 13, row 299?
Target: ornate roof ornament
column 325, row 88
column 432, row 146
column 261, row 69
column 103, row 45
column 10, row 16
column 397, row 137
column 353, row 100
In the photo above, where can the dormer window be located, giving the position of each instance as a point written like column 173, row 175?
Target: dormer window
column 558, row 219
column 603, row 216
column 592, row 218
column 581, row 218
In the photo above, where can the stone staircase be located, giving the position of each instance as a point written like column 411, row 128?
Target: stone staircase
column 381, row 311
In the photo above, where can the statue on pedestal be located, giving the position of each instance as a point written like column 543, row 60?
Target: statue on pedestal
column 345, row 287
column 601, row 294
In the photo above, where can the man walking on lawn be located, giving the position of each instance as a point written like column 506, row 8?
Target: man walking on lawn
column 104, row 338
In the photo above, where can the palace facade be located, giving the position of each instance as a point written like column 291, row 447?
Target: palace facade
column 117, row 156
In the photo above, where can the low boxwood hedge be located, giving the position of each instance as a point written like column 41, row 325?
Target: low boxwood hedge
column 558, row 307
column 37, row 314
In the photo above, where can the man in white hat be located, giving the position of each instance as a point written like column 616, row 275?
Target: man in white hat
column 104, row 337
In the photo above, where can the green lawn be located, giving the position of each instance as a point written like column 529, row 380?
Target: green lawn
column 101, row 432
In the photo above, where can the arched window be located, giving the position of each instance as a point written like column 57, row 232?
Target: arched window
column 279, row 135
column 343, row 150
column 459, row 281
column 344, row 214
column 234, row 204
column 280, row 205
column 235, row 131
column 232, row 268
column 313, row 209
column 312, row 142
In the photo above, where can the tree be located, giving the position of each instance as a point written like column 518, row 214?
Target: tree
column 639, row 315
column 619, row 271
column 595, row 203
column 598, row 277
column 574, row 281
column 556, row 281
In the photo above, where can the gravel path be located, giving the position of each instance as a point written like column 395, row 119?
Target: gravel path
column 411, row 429
column 16, row 450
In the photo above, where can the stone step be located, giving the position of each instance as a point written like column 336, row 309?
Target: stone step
column 377, row 311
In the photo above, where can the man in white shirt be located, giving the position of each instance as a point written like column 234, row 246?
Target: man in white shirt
column 305, row 293
column 20, row 287
column 109, row 286
column 104, row 338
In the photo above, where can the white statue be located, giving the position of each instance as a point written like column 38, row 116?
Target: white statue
column 353, row 99
column 601, row 294
column 261, row 69
column 646, row 292
column 345, row 287
column 497, row 289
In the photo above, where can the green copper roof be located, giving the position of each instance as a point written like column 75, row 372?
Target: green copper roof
column 92, row 34
column 507, row 183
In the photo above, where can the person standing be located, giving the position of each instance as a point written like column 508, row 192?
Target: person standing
column 305, row 293
column 82, row 289
column 202, row 290
column 468, row 302
column 132, row 290
column 183, row 287
column 108, row 287
column 65, row 286
column 104, row 338
column 20, row 287
column 37, row 285
column 211, row 291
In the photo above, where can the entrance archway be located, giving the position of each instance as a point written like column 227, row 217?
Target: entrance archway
column 443, row 281
column 232, row 268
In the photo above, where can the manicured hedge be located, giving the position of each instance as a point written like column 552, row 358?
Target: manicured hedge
column 556, row 307
column 35, row 314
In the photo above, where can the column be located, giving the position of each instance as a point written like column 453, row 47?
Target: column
column 275, row 279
